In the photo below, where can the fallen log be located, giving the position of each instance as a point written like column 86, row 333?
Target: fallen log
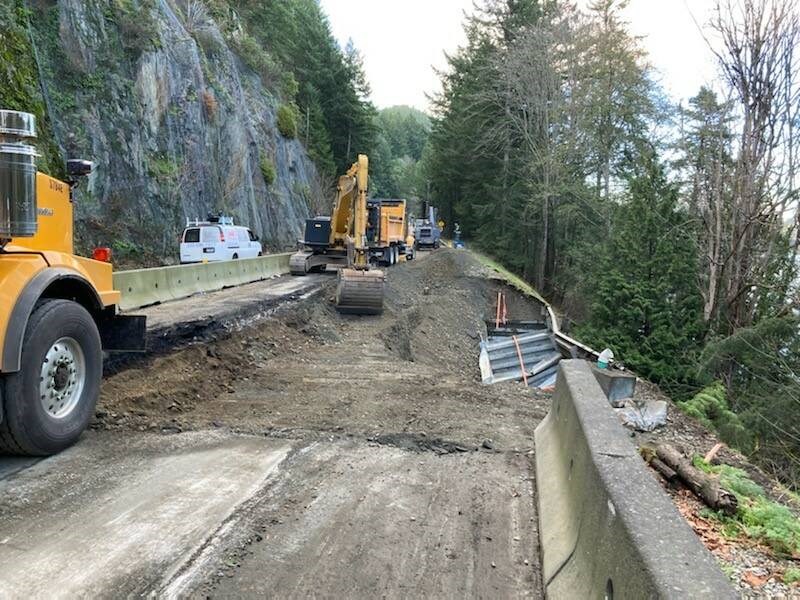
column 649, row 455
column 670, row 475
column 705, row 486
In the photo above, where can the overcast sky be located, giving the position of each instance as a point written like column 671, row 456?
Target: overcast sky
column 403, row 41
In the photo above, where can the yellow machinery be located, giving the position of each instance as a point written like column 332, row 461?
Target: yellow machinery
column 57, row 310
column 387, row 231
column 341, row 240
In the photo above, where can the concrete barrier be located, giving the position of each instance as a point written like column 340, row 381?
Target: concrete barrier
column 607, row 529
column 143, row 287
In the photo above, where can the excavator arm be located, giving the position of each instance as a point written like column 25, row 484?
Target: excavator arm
column 360, row 289
column 349, row 215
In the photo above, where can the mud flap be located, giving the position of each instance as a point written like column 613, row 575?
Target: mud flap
column 123, row 333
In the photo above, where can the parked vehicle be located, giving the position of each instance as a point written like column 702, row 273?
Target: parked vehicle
column 427, row 232
column 216, row 239
column 387, row 231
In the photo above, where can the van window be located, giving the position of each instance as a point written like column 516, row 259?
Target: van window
column 210, row 235
column 252, row 235
column 191, row 236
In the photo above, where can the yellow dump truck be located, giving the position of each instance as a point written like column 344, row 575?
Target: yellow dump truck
column 58, row 311
column 387, row 231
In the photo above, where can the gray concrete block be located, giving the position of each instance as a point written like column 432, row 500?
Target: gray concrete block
column 606, row 527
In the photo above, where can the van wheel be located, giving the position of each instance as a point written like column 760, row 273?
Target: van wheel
column 235, row 257
column 50, row 401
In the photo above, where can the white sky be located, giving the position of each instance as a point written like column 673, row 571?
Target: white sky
column 402, row 42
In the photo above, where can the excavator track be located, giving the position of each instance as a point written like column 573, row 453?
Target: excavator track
column 360, row 292
column 298, row 263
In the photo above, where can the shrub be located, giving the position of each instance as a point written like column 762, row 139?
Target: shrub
column 710, row 407
column 267, row 169
column 210, row 104
column 792, row 575
column 255, row 57
column 287, row 120
column 289, row 86
column 137, row 24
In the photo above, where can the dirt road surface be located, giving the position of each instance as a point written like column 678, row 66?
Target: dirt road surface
column 298, row 453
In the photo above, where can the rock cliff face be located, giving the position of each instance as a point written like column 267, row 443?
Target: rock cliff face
column 177, row 124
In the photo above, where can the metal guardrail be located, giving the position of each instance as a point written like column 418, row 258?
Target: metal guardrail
column 144, row 287
column 503, row 359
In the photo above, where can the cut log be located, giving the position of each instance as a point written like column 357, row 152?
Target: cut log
column 666, row 472
column 712, row 454
column 649, row 455
column 705, row 486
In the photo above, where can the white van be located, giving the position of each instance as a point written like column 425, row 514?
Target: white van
column 217, row 239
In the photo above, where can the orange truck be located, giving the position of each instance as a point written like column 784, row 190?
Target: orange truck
column 58, row 311
column 388, row 234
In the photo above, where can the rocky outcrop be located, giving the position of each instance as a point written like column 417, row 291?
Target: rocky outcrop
column 177, row 124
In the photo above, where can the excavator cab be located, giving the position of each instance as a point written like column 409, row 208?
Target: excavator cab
column 342, row 241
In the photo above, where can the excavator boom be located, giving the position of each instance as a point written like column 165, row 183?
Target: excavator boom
column 360, row 289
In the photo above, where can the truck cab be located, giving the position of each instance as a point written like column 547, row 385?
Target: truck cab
column 58, row 311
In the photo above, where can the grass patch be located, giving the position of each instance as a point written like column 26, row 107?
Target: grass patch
column 792, row 575
column 757, row 517
column 267, row 169
column 513, row 280
column 287, row 120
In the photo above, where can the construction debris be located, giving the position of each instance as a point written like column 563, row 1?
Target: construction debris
column 643, row 416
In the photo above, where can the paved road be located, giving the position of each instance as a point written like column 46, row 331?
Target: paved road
column 117, row 514
column 211, row 514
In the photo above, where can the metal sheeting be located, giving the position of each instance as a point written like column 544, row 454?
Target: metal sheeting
column 500, row 359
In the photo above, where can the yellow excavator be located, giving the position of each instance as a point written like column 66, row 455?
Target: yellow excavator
column 341, row 241
column 58, row 311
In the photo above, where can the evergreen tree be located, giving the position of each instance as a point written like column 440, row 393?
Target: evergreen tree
column 644, row 303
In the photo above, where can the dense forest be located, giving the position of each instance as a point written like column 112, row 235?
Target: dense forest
column 666, row 233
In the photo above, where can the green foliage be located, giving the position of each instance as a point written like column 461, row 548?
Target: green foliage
column 254, row 56
column 137, row 24
column 289, row 86
column 19, row 82
column 758, row 517
column 644, row 303
column 267, row 169
column 710, row 407
column 162, row 167
column 395, row 166
column 791, row 575
column 336, row 117
column 287, row 120
column 760, row 366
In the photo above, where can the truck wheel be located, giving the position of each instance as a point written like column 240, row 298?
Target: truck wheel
column 50, row 401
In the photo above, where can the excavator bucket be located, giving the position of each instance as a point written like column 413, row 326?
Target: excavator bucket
column 360, row 292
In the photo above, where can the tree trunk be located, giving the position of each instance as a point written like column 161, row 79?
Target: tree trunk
column 705, row 486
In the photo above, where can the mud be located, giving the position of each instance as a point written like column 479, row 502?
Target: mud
column 295, row 452
column 308, row 371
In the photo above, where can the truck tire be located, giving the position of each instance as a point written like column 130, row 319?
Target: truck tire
column 50, row 401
